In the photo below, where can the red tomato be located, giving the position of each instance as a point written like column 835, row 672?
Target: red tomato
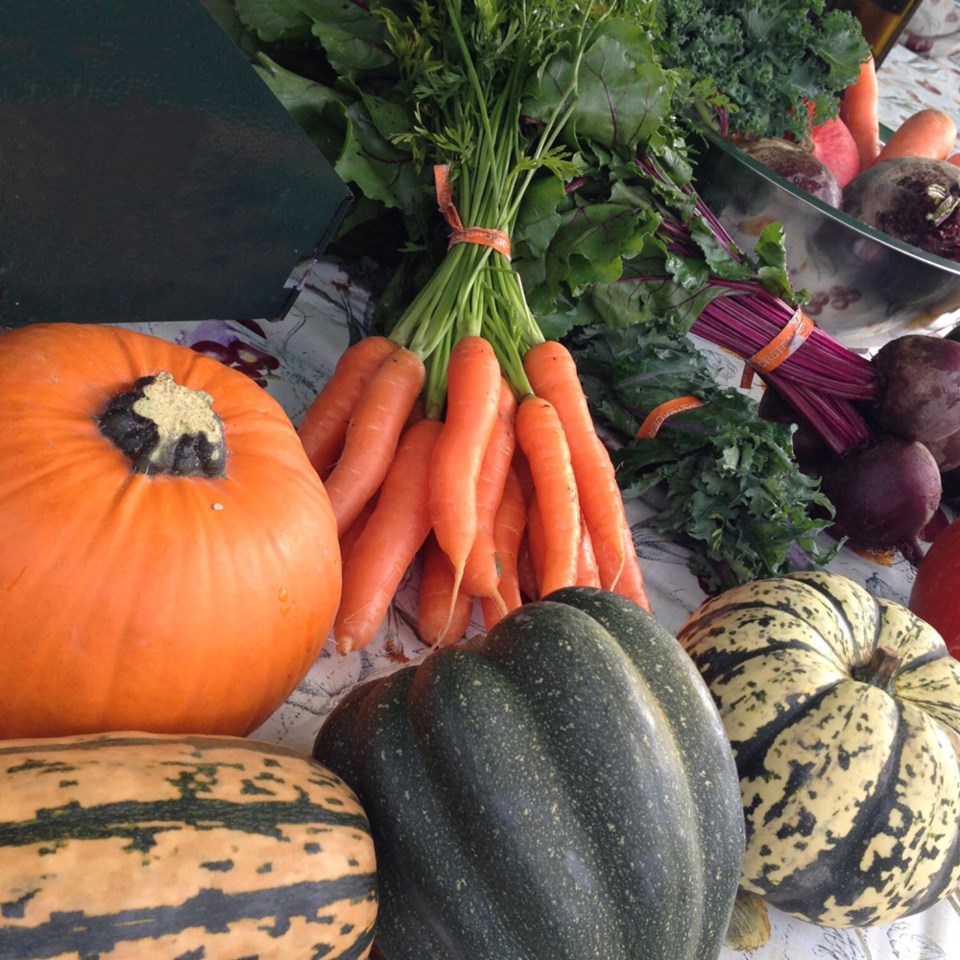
column 936, row 591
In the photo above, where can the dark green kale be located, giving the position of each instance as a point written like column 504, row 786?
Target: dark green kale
column 767, row 59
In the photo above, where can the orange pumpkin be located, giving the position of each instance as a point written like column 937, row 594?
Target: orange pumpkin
column 188, row 592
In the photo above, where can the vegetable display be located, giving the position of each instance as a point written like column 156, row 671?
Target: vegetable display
column 843, row 711
column 131, row 845
column 567, row 143
column 170, row 556
column 559, row 788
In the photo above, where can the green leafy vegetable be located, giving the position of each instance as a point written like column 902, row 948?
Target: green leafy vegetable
column 766, row 58
column 733, row 491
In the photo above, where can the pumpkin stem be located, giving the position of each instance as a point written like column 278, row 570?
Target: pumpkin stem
column 163, row 427
column 880, row 669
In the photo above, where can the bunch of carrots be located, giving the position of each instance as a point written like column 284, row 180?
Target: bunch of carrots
column 506, row 498
column 460, row 438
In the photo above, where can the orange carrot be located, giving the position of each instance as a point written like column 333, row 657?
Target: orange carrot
column 536, row 546
column 508, row 530
column 588, row 572
column 373, row 433
column 508, row 534
column 324, row 426
column 553, row 375
column 434, row 623
column 481, row 574
column 349, row 536
column 473, row 394
column 929, row 133
column 954, row 159
column 859, row 110
column 541, row 437
column 630, row 584
column 521, row 469
column 386, row 547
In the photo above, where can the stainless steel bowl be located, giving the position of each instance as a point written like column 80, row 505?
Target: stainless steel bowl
column 865, row 287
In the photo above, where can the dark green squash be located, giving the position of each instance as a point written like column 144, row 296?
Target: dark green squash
column 562, row 788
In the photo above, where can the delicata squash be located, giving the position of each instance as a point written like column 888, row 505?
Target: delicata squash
column 843, row 711
column 130, row 846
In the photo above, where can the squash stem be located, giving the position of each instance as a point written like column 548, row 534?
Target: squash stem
column 165, row 428
column 880, row 670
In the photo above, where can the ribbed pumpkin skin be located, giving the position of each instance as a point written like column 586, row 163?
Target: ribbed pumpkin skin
column 851, row 793
column 141, row 847
column 562, row 788
column 162, row 603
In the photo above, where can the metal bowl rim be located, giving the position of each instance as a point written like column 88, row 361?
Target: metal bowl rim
column 831, row 213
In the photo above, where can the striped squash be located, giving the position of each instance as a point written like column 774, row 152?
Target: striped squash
column 134, row 847
column 843, row 711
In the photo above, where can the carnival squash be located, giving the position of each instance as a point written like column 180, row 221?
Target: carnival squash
column 843, row 711
column 169, row 560
column 130, row 846
column 560, row 788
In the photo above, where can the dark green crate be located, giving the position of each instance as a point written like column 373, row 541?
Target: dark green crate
column 146, row 172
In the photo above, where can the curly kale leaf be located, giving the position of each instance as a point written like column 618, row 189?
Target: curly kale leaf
column 768, row 59
column 731, row 488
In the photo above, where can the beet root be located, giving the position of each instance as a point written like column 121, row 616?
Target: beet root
column 946, row 451
column 914, row 199
column 919, row 387
column 884, row 495
column 797, row 166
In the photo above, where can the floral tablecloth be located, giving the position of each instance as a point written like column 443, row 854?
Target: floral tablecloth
column 292, row 357
column 910, row 81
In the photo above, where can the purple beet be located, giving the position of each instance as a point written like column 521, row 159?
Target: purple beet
column 884, row 495
column 920, row 386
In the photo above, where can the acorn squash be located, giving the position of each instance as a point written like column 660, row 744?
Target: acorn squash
column 151, row 846
column 843, row 711
column 560, row 788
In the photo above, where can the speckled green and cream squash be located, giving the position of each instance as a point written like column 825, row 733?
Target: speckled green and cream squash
column 843, row 711
column 562, row 788
column 138, row 847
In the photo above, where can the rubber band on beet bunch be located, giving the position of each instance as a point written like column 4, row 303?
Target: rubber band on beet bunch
column 825, row 383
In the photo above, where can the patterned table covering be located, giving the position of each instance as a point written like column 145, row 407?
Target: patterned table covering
column 910, row 81
column 292, row 357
